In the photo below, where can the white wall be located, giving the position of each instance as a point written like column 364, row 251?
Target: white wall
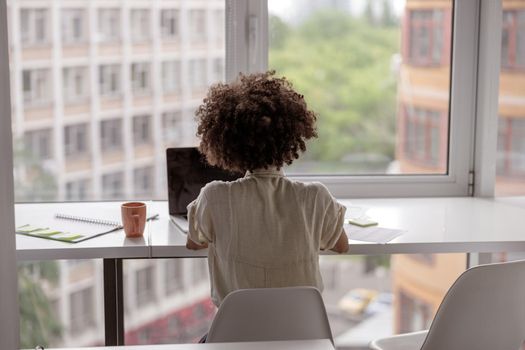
column 8, row 280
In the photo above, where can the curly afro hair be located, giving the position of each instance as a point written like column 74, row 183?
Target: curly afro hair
column 256, row 122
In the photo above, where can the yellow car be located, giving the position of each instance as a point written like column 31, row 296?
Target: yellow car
column 355, row 301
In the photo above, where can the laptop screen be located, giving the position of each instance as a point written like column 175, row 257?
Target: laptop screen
column 188, row 172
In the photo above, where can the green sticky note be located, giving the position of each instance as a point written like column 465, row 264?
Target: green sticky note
column 46, row 232
column 68, row 236
column 29, row 228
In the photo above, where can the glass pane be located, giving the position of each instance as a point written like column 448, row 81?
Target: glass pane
column 61, row 303
column 96, row 103
column 510, row 164
column 166, row 301
column 376, row 73
column 370, row 297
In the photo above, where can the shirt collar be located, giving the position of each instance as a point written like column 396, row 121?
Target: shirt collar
column 271, row 171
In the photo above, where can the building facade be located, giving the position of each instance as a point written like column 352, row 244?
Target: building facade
column 421, row 281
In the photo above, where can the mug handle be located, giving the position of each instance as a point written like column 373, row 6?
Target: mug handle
column 136, row 220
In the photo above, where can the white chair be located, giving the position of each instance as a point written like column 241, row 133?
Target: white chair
column 268, row 314
column 483, row 310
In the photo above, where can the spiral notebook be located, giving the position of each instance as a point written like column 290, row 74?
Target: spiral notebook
column 71, row 228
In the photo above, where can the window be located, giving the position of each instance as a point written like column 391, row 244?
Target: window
column 75, row 84
column 197, row 73
column 140, row 25
column 169, row 22
column 76, row 139
column 510, row 157
column 218, row 69
column 38, row 143
column 73, row 26
column 368, row 97
column 172, row 127
column 36, row 86
column 78, row 190
column 197, row 25
column 141, row 77
column 171, row 76
column 113, row 185
column 145, row 285
column 174, row 276
column 34, row 26
column 81, row 310
column 511, row 147
column 426, row 37
column 111, row 134
column 415, row 315
column 513, row 39
column 422, row 136
column 110, row 79
column 141, row 129
column 143, row 181
column 108, row 25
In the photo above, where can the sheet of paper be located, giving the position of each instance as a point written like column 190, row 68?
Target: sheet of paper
column 372, row 234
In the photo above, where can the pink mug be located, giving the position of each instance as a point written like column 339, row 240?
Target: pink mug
column 133, row 218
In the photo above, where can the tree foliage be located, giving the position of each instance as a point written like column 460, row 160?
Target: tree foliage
column 38, row 323
column 342, row 65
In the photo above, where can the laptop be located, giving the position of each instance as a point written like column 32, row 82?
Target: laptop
column 188, row 172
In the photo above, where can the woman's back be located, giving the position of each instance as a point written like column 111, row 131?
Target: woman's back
column 264, row 231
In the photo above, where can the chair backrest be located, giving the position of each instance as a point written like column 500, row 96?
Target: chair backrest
column 268, row 314
column 483, row 310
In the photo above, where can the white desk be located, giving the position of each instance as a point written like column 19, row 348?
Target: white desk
column 320, row 344
column 433, row 225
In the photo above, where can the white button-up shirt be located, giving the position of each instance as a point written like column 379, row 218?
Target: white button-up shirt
column 264, row 230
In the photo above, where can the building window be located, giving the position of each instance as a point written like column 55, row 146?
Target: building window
column 422, row 135
column 108, row 25
column 513, row 39
column 200, row 270
column 169, row 23
column 76, row 139
column 172, row 131
column 218, row 16
column 140, row 25
column 77, row 190
column 171, row 76
column 75, row 84
column 511, row 147
column 74, row 28
column 111, row 134
column 218, row 69
column 198, row 74
column 145, row 285
column 426, row 37
column 141, row 129
column 174, row 276
column 197, row 26
column 110, row 79
column 81, row 310
column 141, row 77
column 143, row 181
column 39, row 143
column 113, row 185
column 415, row 314
column 34, row 26
column 36, row 84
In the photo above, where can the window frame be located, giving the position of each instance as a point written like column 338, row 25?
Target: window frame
column 247, row 51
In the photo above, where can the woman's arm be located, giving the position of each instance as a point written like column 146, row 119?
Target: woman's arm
column 341, row 246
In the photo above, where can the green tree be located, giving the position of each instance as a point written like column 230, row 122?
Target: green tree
column 38, row 323
column 342, row 66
